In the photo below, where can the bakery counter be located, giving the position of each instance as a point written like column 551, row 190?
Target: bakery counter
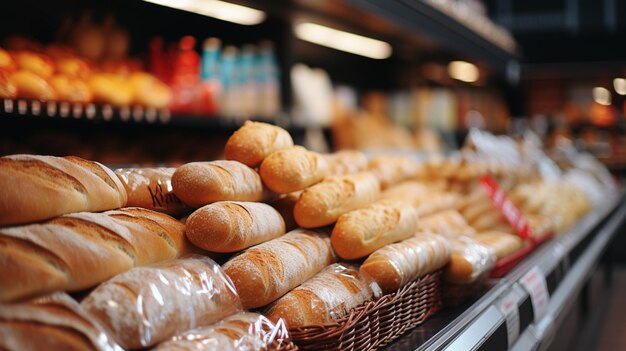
column 522, row 310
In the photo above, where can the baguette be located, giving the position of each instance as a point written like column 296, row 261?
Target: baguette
column 469, row 260
column 346, row 162
column 254, row 141
column 201, row 183
column 285, row 205
column 363, row 231
column 36, row 188
column 77, row 251
column 449, row 223
column 230, row 226
column 325, row 298
column 502, row 244
column 323, row 203
column 292, row 169
column 151, row 188
column 396, row 265
column 241, row 331
column 267, row 271
column 54, row 322
column 147, row 305
column 391, row 170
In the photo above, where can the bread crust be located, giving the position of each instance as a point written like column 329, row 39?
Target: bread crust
column 293, row 169
column 254, row 141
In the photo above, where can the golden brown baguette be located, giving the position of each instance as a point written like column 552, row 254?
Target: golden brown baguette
column 502, row 244
column 79, row 250
column 346, row 162
column 151, row 188
column 323, row 203
column 394, row 169
column 265, row 272
column 254, row 141
column 147, row 305
column 230, row 226
column 285, row 205
column 325, row 298
column 201, row 183
column 241, row 331
column 35, row 188
column 449, row 222
column 396, row 265
column 360, row 232
column 425, row 199
column 54, row 322
column 292, row 169
column 469, row 260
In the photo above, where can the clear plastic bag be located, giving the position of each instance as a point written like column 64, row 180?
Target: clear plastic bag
column 147, row 305
column 53, row 322
column 244, row 331
column 469, row 260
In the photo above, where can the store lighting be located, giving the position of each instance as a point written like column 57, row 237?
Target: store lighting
column 463, row 71
column 222, row 10
column 344, row 41
column 620, row 85
column 602, row 96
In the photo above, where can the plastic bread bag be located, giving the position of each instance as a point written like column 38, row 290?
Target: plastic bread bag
column 147, row 305
column 469, row 261
column 53, row 322
column 325, row 298
column 244, row 331
column 151, row 188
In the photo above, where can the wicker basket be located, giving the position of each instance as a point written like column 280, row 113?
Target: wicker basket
column 282, row 346
column 376, row 323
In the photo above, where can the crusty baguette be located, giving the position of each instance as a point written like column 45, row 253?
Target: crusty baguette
column 346, row 162
column 201, row 183
column 323, row 203
column 325, row 298
column 147, row 305
column 54, row 322
column 503, row 244
column 395, row 265
column 254, row 141
column 230, row 226
column 425, row 199
column 79, row 250
column 35, row 188
column 292, row 169
column 392, row 169
column 469, row 260
column 449, row 222
column 285, row 205
column 151, row 188
column 241, row 331
column 360, row 232
column 265, row 272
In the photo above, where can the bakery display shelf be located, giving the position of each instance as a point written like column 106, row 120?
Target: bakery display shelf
column 505, row 316
column 424, row 19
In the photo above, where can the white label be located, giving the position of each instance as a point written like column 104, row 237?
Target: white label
column 508, row 307
column 535, row 284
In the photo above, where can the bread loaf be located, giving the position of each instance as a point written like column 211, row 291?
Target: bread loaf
column 76, row 251
column 502, row 244
column 254, row 141
column 151, row 188
column 449, row 223
column 292, row 169
column 360, row 232
column 396, row 265
column 267, row 271
column 323, row 203
column 54, row 322
column 201, row 183
column 325, row 298
column 391, row 170
column 425, row 199
column 285, row 205
column 230, row 226
column 147, row 305
column 469, row 260
column 241, row 331
column 346, row 162
column 35, row 188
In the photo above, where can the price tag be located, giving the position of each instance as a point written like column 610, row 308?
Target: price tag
column 534, row 283
column 508, row 307
column 512, row 214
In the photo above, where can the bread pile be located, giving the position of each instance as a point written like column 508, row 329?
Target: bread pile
column 300, row 236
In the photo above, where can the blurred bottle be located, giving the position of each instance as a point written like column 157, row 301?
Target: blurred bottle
column 228, row 78
column 158, row 60
column 247, row 83
column 211, row 86
column 268, row 79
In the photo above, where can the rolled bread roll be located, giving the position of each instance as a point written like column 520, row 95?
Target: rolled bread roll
column 292, row 169
column 254, row 141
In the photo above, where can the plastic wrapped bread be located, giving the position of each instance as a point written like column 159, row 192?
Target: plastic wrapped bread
column 502, row 244
column 396, row 265
column 449, row 223
column 469, row 260
column 147, row 305
column 53, row 322
column 243, row 331
column 325, row 298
